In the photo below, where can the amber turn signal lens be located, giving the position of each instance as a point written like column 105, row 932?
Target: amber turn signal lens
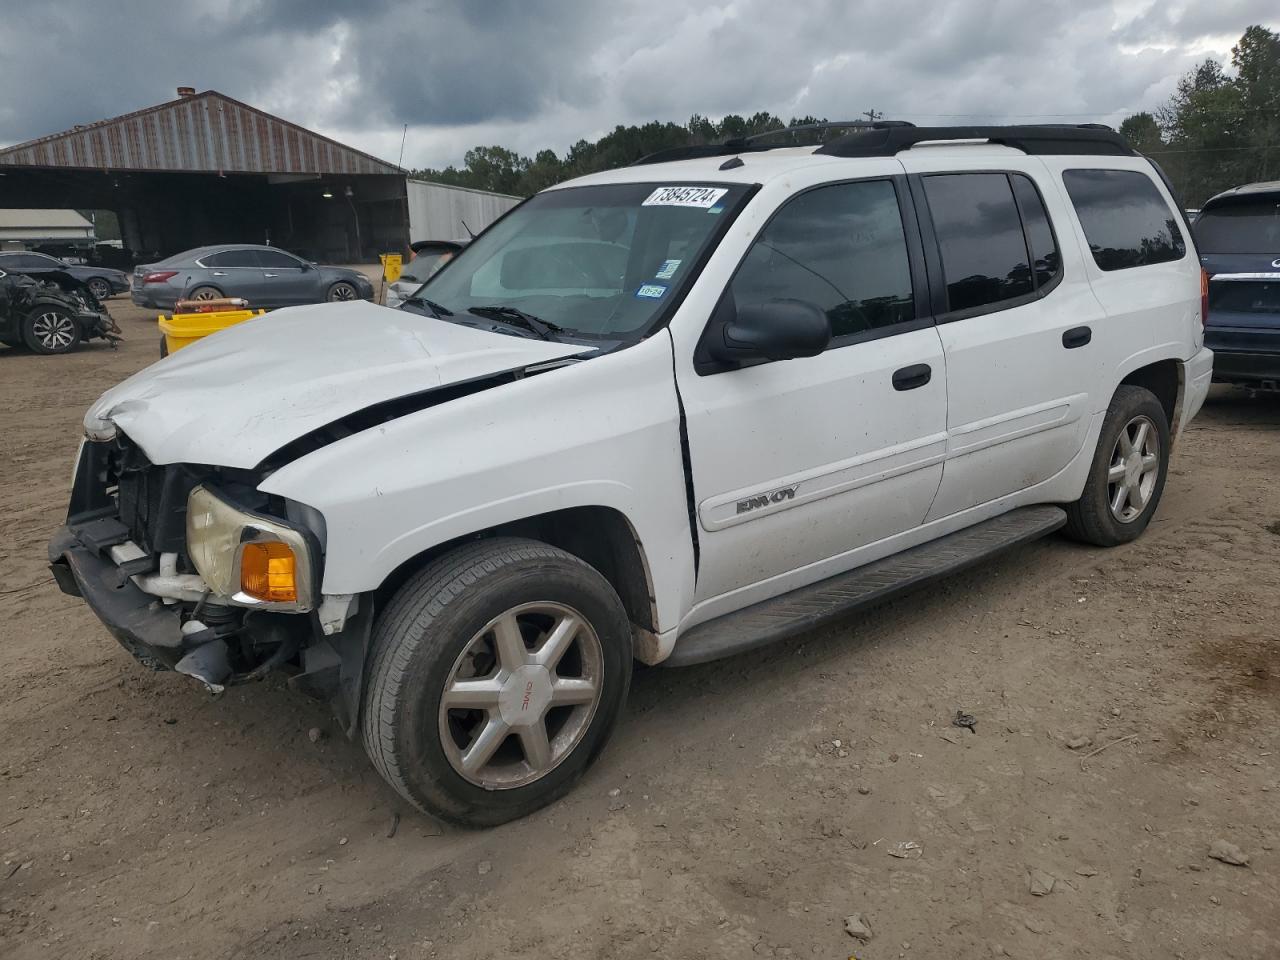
column 268, row 571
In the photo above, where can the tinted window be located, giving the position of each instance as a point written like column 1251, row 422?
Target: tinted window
column 1125, row 220
column 273, row 258
column 21, row 261
column 231, row 258
column 840, row 248
column 984, row 254
column 1252, row 227
column 1035, row 223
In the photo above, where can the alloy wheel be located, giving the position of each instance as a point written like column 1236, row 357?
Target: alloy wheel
column 100, row 289
column 1134, row 469
column 342, row 291
column 521, row 694
column 54, row 331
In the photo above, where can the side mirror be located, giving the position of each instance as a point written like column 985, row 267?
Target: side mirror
column 772, row 330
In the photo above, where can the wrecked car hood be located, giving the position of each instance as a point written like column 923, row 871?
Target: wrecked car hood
column 235, row 397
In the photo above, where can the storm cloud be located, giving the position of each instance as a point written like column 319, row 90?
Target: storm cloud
column 530, row 75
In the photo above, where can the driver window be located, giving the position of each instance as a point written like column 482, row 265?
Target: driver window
column 841, row 248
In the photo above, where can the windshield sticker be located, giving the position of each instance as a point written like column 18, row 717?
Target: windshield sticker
column 667, row 270
column 718, row 208
column 701, row 197
column 651, row 291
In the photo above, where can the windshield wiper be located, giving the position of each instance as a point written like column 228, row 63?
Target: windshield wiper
column 437, row 309
column 543, row 328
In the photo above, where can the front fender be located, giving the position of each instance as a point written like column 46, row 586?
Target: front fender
column 602, row 432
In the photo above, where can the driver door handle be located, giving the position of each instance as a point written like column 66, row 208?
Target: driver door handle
column 270, row 274
column 909, row 378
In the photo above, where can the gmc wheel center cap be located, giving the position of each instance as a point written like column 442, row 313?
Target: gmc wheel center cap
column 525, row 696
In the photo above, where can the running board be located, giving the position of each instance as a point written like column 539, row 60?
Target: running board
column 817, row 604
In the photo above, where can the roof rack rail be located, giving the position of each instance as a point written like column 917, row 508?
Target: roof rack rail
column 1079, row 139
column 752, row 143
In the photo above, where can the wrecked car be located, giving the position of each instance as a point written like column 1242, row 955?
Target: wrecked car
column 666, row 413
column 51, row 317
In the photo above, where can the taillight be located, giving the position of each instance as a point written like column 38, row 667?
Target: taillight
column 1204, row 297
column 160, row 276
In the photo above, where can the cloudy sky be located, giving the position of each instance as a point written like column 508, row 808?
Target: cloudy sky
column 530, row 74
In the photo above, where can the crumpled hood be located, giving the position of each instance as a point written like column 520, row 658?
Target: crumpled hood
column 235, row 397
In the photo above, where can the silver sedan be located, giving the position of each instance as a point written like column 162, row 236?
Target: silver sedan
column 264, row 276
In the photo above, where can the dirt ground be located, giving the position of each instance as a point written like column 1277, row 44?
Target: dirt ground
column 745, row 807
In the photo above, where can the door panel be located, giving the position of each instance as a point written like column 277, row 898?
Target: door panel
column 798, row 462
column 284, row 281
column 1011, row 285
column 801, row 460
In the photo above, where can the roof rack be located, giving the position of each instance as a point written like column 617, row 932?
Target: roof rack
column 752, row 143
column 885, row 138
column 1079, row 139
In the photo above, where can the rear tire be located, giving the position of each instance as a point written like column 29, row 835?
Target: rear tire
column 1128, row 473
column 204, row 293
column 462, row 714
column 51, row 329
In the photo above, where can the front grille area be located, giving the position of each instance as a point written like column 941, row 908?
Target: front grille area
column 115, row 478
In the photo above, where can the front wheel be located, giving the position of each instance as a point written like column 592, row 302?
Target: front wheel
column 50, row 329
column 497, row 674
column 343, row 291
column 100, row 288
column 1128, row 473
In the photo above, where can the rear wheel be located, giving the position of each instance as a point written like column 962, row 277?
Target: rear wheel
column 1128, row 472
column 205, row 293
column 343, row 291
column 50, row 329
column 498, row 673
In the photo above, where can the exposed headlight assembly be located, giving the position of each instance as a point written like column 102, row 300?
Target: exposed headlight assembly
column 253, row 560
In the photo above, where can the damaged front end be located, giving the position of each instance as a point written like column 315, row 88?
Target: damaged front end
column 193, row 569
column 21, row 296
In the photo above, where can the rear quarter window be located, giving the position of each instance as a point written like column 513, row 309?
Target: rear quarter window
column 1125, row 219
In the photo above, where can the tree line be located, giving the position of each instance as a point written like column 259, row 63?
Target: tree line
column 1219, row 129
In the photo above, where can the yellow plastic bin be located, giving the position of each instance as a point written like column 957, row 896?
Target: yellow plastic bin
column 182, row 329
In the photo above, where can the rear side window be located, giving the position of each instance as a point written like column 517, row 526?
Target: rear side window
column 1252, row 227
column 1041, row 243
column 1126, row 221
column 232, row 258
column 984, row 251
column 841, row 248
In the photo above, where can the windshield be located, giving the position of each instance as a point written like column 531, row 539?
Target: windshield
column 601, row 261
column 1252, row 227
column 421, row 267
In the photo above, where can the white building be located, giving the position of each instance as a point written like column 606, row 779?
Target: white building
column 22, row 229
column 438, row 211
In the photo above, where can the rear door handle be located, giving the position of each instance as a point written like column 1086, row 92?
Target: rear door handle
column 270, row 274
column 916, row 375
column 218, row 273
column 1076, row 337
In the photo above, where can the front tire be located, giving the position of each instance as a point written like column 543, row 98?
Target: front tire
column 51, row 329
column 342, row 291
column 100, row 288
column 497, row 674
column 1128, row 474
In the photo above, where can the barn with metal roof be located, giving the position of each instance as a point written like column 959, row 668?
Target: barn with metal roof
column 205, row 168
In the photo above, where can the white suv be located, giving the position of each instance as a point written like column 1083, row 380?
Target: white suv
column 669, row 412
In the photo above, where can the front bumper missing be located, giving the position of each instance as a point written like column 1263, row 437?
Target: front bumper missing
column 151, row 631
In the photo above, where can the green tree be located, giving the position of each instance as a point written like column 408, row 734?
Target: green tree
column 1142, row 131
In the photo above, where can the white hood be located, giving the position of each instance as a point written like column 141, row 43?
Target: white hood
column 235, row 397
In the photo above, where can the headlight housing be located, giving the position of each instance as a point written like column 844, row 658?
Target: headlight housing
column 252, row 560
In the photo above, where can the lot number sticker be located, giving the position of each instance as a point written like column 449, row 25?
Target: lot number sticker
column 651, row 291
column 701, row 197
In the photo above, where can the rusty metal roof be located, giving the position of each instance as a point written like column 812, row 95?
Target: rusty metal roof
column 205, row 132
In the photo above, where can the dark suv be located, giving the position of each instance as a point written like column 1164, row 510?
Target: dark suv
column 1238, row 236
